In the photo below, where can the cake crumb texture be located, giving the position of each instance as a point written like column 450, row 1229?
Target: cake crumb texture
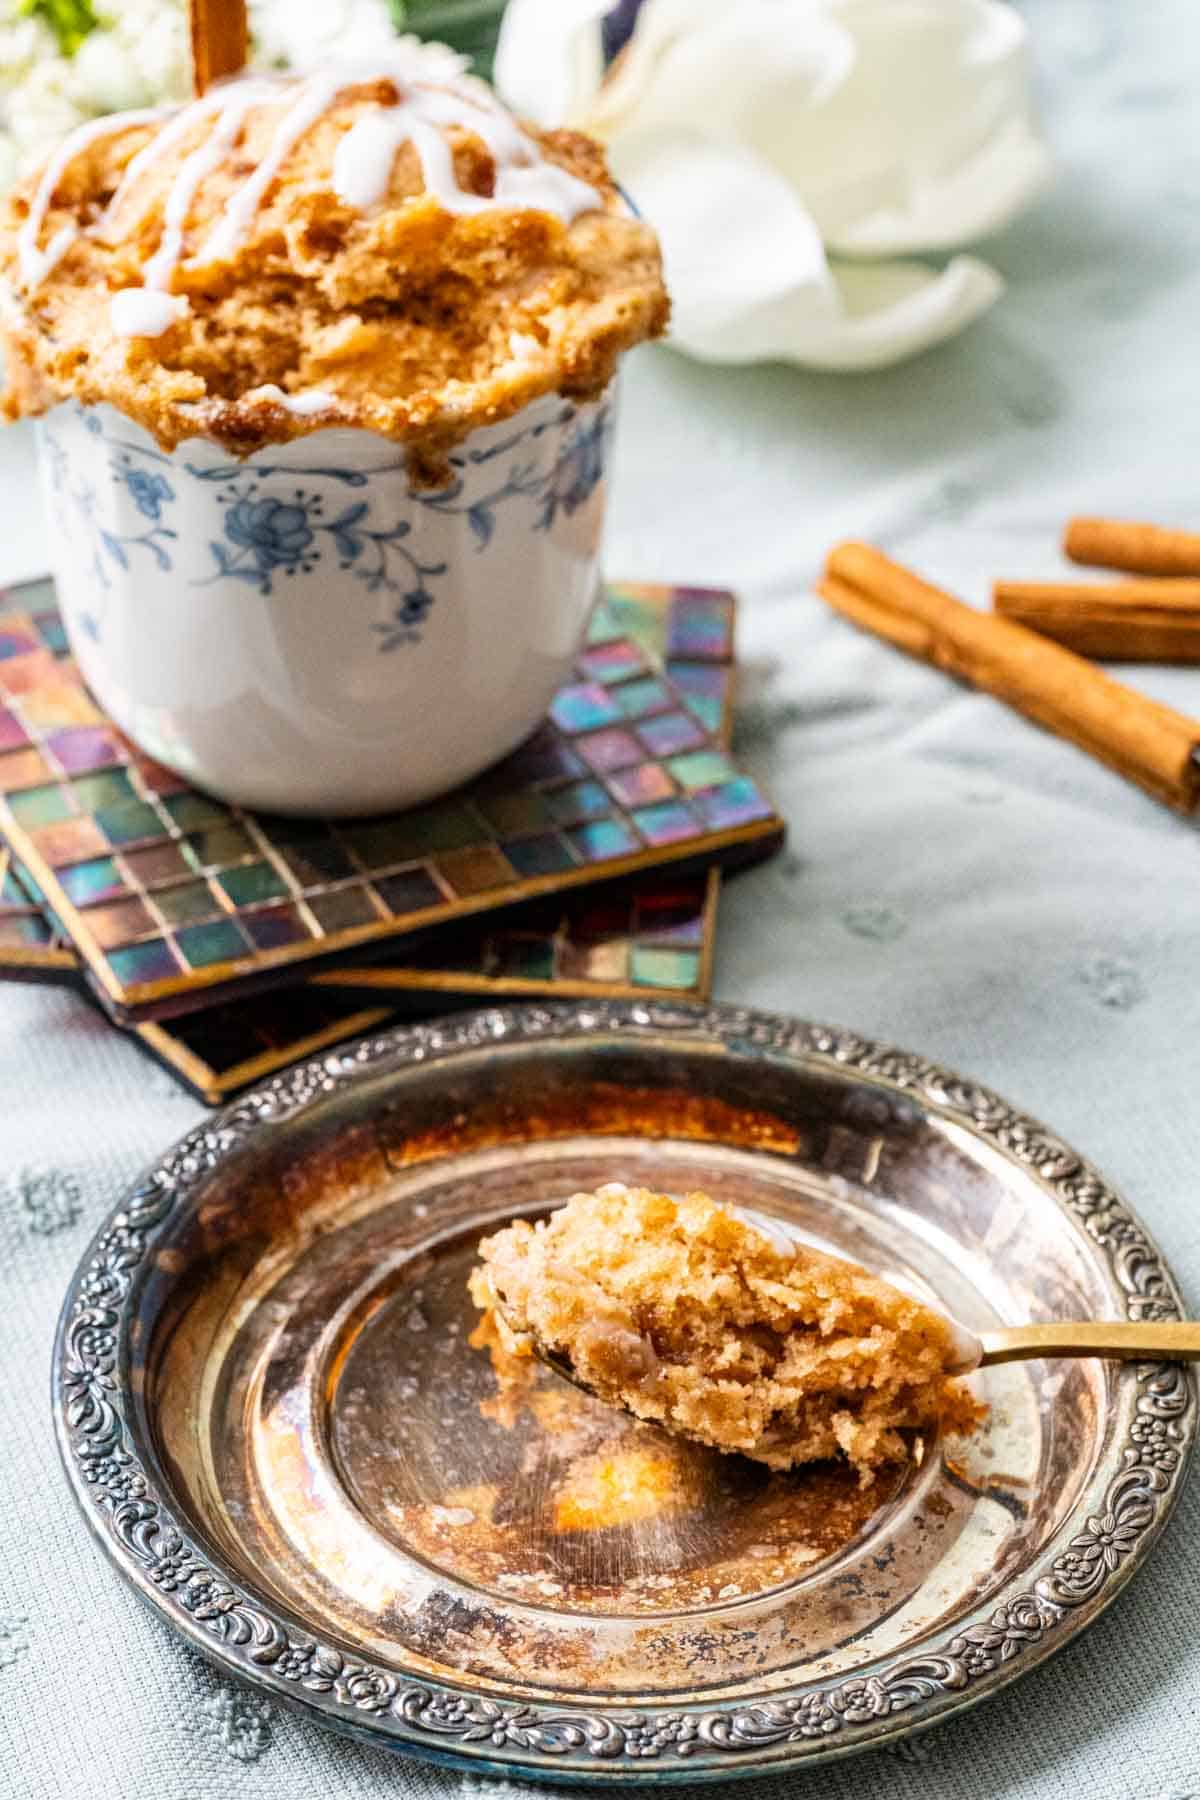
column 686, row 1314
column 412, row 315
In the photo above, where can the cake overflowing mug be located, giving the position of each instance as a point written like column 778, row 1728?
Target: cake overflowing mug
column 324, row 369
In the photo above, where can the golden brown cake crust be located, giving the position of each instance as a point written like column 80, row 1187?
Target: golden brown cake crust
column 687, row 1314
column 421, row 324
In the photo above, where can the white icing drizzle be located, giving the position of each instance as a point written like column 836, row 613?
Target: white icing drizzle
column 525, row 180
column 36, row 264
column 145, row 312
column 156, row 147
column 237, row 102
column 316, row 96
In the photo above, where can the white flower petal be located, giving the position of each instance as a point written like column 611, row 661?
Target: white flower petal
column 549, row 57
column 748, row 275
column 902, row 124
column 980, row 197
column 893, row 310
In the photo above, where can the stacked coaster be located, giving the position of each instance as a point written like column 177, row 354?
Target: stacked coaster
column 232, row 943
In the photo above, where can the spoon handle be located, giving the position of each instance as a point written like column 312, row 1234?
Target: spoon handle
column 1174, row 1340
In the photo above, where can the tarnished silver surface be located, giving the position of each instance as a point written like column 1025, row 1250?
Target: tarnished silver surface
column 272, row 1420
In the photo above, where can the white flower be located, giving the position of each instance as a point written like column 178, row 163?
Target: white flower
column 772, row 140
column 106, row 75
column 42, row 109
column 300, row 34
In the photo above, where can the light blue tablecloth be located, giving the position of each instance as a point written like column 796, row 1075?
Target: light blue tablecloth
column 957, row 883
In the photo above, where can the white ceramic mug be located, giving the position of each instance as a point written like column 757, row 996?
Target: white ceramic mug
column 302, row 632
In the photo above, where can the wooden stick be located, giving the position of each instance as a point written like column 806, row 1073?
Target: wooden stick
column 220, row 40
column 1142, row 740
column 1126, row 544
column 1121, row 621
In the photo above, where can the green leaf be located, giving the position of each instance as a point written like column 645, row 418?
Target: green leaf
column 69, row 20
column 469, row 26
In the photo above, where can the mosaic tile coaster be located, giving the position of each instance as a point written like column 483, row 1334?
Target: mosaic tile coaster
column 171, row 897
column 32, row 948
column 659, row 936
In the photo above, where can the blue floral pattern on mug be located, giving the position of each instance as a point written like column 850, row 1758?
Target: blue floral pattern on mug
column 149, row 492
column 271, row 531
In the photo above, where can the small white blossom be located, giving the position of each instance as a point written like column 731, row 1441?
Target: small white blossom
column 106, row 75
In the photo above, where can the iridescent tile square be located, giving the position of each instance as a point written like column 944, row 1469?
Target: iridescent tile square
column 613, row 661
column 578, row 801
column 23, row 769
column 271, row 927
column 252, row 883
column 192, row 812
column 612, row 749
column 343, row 909
column 510, row 814
column 17, row 638
column 97, row 879
column 158, row 863
column 544, row 854
column 111, row 787
column 83, row 748
column 642, row 699
column 702, row 769
column 701, row 625
column 223, row 845
column 59, row 708
column 678, row 970
column 474, row 871
column 187, row 901
column 144, row 963
column 128, row 823
column 667, row 823
column 71, row 841
column 583, row 707
column 121, row 922
column 23, row 674
column 409, row 891
column 315, row 863
column 639, row 786
column 706, row 689
column 736, row 803
column 204, row 945
column 671, row 734
column 601, row 839
column 13, row 735
column 602, row 963
column 41, row 806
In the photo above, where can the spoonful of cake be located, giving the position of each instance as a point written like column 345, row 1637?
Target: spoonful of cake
column 718, row 1324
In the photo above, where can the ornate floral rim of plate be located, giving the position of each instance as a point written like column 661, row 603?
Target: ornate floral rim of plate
column 1082, row 1570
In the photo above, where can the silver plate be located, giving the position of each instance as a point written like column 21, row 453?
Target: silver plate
column 273, row 1422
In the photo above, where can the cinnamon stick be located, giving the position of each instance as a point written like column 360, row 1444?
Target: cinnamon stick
column 1127, row 544
column 220, row 40
column 1139, row 738
column 1120, row 621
